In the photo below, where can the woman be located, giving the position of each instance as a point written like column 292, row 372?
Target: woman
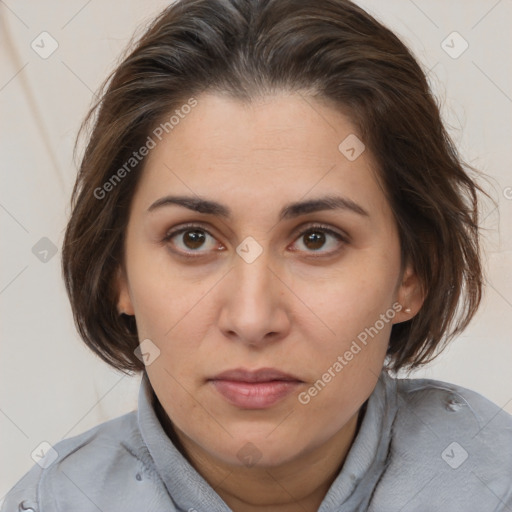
column 269, row 221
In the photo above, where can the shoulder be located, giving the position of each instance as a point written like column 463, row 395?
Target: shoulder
column 90, row 471
column 429, row 391
column 451, row 411
column 451, row 446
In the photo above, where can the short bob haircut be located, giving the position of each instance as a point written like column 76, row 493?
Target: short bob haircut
column 330, row 50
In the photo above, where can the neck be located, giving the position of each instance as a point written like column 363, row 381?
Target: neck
column 300, row 484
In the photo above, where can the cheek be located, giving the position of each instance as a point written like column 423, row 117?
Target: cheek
column 342, row 370
column 357, row 308
column 356, row 297
column 162, row 300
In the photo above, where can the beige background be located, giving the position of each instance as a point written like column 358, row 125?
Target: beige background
column 51, row 386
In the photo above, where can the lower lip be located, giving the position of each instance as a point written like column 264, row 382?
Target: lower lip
column 254, row 395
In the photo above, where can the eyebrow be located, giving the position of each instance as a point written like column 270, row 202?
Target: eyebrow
column 289, row 211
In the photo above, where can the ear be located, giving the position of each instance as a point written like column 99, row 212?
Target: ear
column 124, row 301
column 410, row 295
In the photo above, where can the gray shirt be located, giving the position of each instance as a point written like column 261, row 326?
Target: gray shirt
column 423, row 445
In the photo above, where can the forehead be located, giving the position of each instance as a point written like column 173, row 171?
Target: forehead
column 280, row 127
column 282, row 147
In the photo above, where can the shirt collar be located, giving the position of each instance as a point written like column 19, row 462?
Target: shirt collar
column 352, row 488
column 368, row 456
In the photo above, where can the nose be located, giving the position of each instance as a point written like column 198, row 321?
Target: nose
column 254, row 309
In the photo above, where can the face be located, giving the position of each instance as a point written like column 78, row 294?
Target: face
column 259, row 282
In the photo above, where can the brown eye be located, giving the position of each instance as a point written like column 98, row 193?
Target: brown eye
column 314, row 240
column 317, row 237
column 193, row 239
column 188, row 240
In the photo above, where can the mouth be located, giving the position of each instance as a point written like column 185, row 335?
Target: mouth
column 256, row 389
column 255, row 376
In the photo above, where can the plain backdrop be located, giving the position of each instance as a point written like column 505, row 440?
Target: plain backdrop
column 51, row 385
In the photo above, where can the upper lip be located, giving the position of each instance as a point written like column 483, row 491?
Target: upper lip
column 259, row 375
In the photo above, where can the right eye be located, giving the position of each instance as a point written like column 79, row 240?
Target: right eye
column 194, row 237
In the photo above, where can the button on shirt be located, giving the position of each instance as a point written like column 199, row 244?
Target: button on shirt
column 423, row 446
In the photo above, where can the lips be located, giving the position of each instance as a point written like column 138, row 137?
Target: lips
column 256, row 389
column 260, row 375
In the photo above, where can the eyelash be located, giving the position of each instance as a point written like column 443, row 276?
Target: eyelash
column 313, row 228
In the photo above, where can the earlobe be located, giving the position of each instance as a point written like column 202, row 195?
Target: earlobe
column 124, row 303
column 410, row 295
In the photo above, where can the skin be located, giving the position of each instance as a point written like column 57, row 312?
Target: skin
column 285, row 310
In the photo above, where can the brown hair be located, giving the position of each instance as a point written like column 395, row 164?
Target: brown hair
column 333, row 50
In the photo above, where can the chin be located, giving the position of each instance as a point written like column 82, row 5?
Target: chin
column 260, row 450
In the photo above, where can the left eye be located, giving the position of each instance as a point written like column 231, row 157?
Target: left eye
column 313, row 239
